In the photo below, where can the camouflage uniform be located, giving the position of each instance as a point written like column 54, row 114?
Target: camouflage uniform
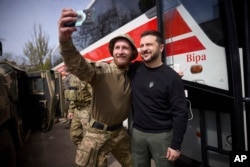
column 66, row 85
column 79, row 96
column 111, row 104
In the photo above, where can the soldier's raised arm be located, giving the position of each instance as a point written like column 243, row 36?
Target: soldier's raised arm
column 72, row 58
column 68, row 15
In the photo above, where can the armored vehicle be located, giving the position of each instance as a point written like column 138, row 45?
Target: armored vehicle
column 28, row 102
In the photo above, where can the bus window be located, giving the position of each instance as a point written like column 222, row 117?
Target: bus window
column 110, row 15
column 206, row 14
column 194, row 41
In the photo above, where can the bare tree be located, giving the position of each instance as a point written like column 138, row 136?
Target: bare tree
column 6, row 56
column 37, row 49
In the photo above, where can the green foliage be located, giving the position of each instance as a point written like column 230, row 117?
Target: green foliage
column 37, row 50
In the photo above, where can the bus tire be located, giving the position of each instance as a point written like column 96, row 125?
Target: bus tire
column 7, row 149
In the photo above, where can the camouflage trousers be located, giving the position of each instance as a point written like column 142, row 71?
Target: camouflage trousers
column 98, row 144
column 78, row 124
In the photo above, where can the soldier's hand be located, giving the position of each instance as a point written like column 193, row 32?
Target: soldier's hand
column 68, row 15
column 70, row 115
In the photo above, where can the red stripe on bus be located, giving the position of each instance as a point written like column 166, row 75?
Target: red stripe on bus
column 174, row 24
column 99, row 53
column 183, row 46
column 135, row 33
column 102, row 52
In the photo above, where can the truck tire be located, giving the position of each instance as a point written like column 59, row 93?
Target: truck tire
column 7, row 149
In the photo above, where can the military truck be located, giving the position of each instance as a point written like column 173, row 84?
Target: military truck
column 28, row 102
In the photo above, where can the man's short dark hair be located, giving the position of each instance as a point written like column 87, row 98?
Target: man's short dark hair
column 157, row 34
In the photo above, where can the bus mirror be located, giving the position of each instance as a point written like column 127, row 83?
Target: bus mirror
column 1, row 49
column 195, row 69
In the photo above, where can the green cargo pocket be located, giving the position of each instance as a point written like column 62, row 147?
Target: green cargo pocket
column 86, row 153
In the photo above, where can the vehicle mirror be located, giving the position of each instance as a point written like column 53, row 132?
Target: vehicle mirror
column 1, row 49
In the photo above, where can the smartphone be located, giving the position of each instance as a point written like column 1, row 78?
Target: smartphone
column 83, row 16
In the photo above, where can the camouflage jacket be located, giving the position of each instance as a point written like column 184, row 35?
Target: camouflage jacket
column 78, row 93
column 111, row 92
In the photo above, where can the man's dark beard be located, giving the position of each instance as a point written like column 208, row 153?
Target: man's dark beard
column 152, row 58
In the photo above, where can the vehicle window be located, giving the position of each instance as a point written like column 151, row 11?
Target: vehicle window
column 195, row 42
column 37, row 85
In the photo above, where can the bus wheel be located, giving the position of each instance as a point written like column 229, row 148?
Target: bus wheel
column 7, row 149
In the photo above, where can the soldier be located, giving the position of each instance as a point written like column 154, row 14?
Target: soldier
column 65, row 79
column 111, row 96
column 79, row 96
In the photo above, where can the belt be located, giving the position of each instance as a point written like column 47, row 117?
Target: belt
column 82, row 106
column 101, row 126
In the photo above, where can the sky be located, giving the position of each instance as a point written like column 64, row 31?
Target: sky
column 18, row 17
